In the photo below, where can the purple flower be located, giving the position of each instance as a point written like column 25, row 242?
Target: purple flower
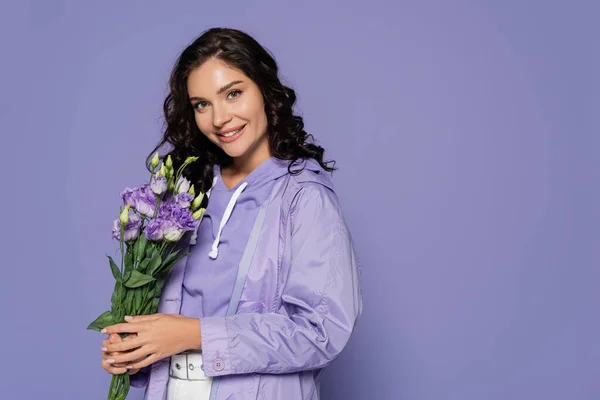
column 131, row 229
column 142, row 199
column 184, row 199
column 154, row 230
column 184, row 220
column 158, row 185
column 172, row 221
column 165, row 210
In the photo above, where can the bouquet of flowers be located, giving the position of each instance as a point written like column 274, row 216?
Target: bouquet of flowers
column 154, row 218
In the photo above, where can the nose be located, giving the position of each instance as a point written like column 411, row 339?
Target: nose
column 221, row 116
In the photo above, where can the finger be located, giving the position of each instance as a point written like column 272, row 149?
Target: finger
column 114, row 338
column 130, row 327
column 143, row 363
column 133, row 371
column 112, row 369
column 124, row 365
column 125, row 345
column 105, row 345
column 142, row 318
column 129, row 357
column 109, row 356
column 130, row 336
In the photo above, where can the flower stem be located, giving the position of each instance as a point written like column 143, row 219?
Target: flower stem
column 121, row 291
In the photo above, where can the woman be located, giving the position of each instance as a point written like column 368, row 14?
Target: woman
column 269, row 293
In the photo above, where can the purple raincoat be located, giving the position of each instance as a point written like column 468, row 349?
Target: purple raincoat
column 298, row 307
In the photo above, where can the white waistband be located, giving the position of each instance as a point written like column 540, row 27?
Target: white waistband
column 188, row 366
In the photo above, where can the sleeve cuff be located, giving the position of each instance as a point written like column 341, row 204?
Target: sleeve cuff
column 215, row 346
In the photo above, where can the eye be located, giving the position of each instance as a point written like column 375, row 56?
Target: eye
column 234, row 94
column 201, row 105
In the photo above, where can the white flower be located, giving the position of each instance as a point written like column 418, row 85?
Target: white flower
column 183, row 185
column 158, row 184
column 172, row 233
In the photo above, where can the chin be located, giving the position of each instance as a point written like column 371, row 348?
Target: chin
column 235, row 151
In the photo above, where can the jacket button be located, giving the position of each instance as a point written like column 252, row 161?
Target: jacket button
column 177, row 366
column 218, row 365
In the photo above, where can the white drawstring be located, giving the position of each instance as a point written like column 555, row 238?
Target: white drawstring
column 195, row 233
column 214, row 253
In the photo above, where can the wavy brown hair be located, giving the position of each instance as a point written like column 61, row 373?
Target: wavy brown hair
column 286, row 135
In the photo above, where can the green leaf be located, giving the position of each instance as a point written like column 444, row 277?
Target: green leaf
column 104, row 320
column 137, row 300
column 158, row 287
column 137, row 279
column 154, row 307
column 147, row 309
column 116, row 299
column 155, row 262
column 139, row 248
column 143, row 265
column 150, row 250
column 129, row 259
column 115, row 270
column 129, row 303
column 166, row 267
column 171, row 256
column 127, row 275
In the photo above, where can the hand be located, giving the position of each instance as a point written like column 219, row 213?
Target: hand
column 158, row 336
column 115, row 369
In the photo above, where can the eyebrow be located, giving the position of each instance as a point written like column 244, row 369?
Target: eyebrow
column 228, row 86
column 221, row 90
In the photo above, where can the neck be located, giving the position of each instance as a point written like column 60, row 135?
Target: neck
column 242, row 166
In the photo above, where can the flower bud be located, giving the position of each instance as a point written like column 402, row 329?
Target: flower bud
column 155, row 161
column 163, row 170
column 198, row 214
column 169, row 162
column 124, row 217
column 190, row 160
column 192, row 191
column 197, row 201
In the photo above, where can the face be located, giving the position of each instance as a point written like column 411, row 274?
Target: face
column 229, row 109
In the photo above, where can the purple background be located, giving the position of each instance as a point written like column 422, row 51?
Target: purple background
column 467, row 136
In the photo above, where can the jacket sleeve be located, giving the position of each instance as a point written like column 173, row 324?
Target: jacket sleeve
column 320, row 301
column 140, row 379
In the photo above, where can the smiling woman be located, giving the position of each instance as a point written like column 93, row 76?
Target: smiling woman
column 269, row 294
column 230, row 111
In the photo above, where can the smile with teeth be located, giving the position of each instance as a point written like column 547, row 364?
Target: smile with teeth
column 229, row 134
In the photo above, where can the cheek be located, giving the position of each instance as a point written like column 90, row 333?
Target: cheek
column 203, row 122
column 256, row 112
column 252, row 107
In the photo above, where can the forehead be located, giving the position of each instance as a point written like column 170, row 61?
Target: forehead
column 210, row 76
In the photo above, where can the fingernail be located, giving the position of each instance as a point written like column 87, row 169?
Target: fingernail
column 129, row 367
column 104, row 349
column 103, row 330
column 128, row 318
column 110, row 361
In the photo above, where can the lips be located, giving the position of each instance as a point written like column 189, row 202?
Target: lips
column 230, row 135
